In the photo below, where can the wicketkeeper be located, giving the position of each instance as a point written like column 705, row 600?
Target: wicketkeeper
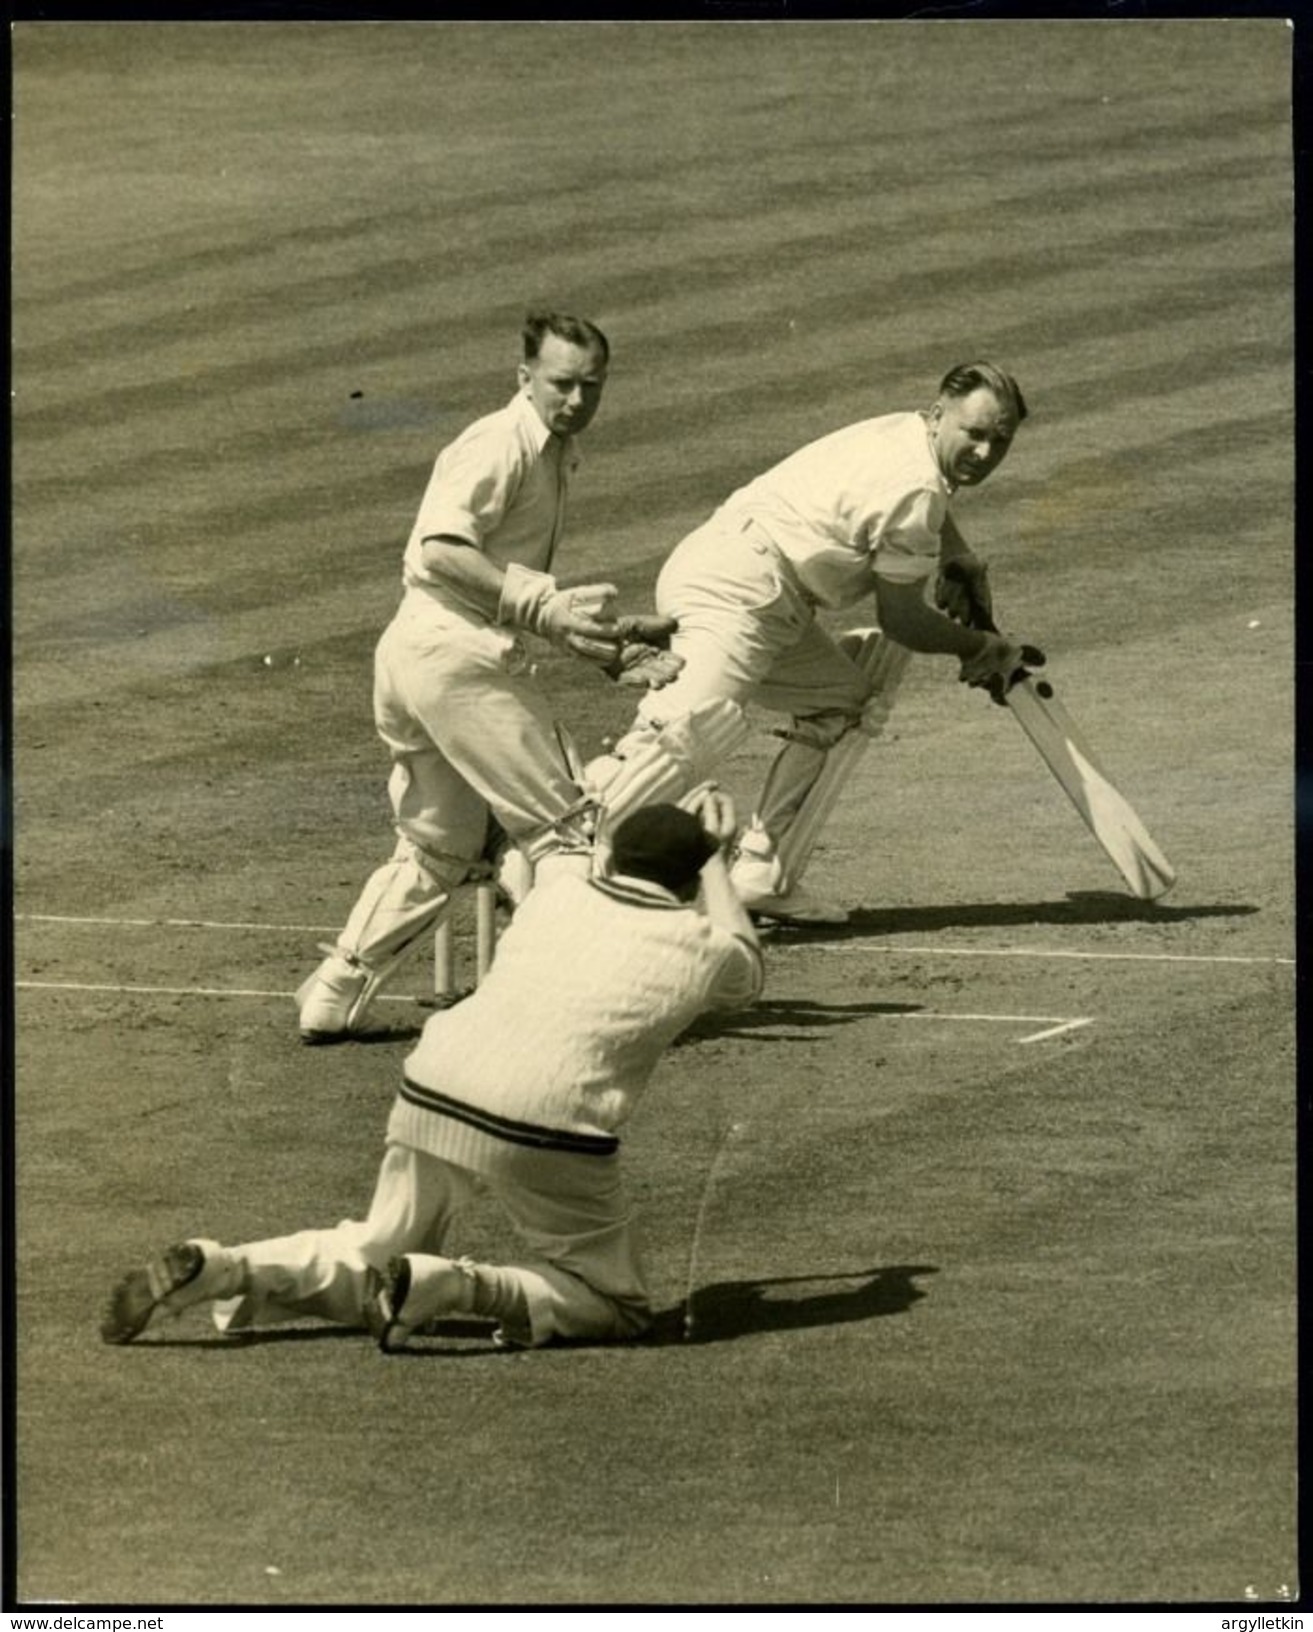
column 476, row 756
column 521, row 1089
column 865, row 510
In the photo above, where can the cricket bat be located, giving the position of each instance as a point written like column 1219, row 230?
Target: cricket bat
column 1105, row 811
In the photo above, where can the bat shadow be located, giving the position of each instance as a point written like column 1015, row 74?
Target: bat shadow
column 723, row 1311
column 1081, row 908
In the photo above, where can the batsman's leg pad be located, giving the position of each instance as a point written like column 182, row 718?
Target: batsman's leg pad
column 795, row 834
column 816, row 763
column 882, row 661
column 652, row 766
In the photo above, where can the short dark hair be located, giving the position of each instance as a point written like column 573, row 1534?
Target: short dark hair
column 965, row 378
column 577, row 330
column 664, row 844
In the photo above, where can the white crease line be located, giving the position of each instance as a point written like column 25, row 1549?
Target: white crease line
column 839, row 950
column 843, row 949
column 1053, row 1023
column 180, row 991
column 172, row 923
column 1056, row 1031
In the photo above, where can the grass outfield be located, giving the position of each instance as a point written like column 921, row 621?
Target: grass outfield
column 974, row 1243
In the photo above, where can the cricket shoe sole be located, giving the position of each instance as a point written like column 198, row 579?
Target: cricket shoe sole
column 409, row 1295
column 187, row 1273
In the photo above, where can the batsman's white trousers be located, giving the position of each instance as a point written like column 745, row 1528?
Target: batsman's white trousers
column 746, row 630
column 585, row 1279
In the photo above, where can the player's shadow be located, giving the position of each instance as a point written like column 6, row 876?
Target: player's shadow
column 1080, row 908
column 725, row 1310
column 380, row 1035
column 765, row 1020
column 215, row 1342
column 716, row 1313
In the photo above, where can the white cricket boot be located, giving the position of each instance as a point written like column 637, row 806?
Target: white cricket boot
column 760, row 885
column 401, row 904
column 333, row 1000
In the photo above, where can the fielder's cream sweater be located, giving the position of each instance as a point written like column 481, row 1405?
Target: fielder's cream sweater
column 590, row 983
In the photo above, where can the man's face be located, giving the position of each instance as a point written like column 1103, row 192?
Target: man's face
column 971, row 435
column 564, row 383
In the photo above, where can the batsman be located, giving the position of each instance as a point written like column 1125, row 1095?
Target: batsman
column 864, row 511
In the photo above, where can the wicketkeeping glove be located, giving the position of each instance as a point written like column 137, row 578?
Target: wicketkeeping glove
column 577, row 620
column 647, row 628
column 644, row 660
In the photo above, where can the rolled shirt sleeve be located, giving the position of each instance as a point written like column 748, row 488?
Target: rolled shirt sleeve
column 906, row 548
column 473, row 484
column 500, row 486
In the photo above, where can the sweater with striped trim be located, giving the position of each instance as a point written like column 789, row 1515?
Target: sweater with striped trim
column 591, row 982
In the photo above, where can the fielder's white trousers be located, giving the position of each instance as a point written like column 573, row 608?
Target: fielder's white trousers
column 584, row 1279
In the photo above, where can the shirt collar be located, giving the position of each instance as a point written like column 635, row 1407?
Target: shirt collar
column 538, row 432
column 949, row 487
column 638, row 891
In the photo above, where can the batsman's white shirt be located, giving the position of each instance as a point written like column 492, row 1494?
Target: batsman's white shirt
column 502, row 487
column 590, row 983
column 867, row 499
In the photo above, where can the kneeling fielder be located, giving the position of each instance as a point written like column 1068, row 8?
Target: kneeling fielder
column 520, row 1089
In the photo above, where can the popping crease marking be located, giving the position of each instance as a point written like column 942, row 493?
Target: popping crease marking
column 174, row 923
column 814, row 946
column 174, row 991
column 1055, row 1023
column 1036, row 952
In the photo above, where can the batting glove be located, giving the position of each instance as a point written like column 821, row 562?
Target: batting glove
column 962, row 591
column 999, row 664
